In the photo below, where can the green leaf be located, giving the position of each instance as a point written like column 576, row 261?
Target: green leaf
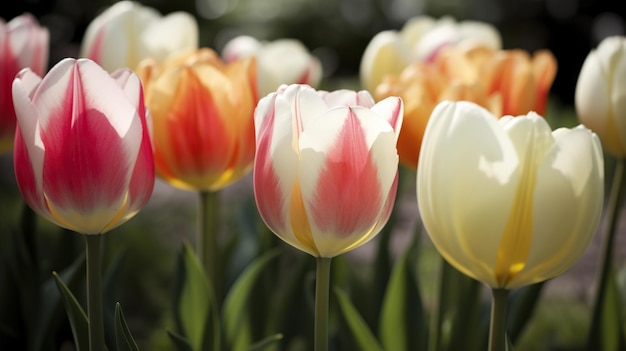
column 51, row 312
column 78, row 319
column 181, row 343
column 402, row 309
column 123, row 338
column 259, row 346
column 193, row 300
column 610, row 325
column 236, row 326
column 521, row 307
column 361, row 332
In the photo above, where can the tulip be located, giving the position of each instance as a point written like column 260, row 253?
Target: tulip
column 202, row 111
column 127, row 32
column 420, row 40
column 506, row 201
column 601, row 94
column 506, row 82
column 325, row 175
column 23, row 43
column 283, row 61
column 83, row 158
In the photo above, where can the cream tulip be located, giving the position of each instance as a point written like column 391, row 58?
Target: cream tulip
column 508, row 201
column 282, row 61
column 601, row 94
column 128, row 32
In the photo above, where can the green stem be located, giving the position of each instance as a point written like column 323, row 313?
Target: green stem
column 94, row 292
column 615, row 199
column 437, row 316
column 497, row 329
column 322, row 290
column 207, row 245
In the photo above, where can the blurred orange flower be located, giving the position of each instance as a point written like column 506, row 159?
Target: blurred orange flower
column 506, row 82
column 202, row 110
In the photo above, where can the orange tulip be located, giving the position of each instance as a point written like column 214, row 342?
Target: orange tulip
column 506, row 82
column 202, row 110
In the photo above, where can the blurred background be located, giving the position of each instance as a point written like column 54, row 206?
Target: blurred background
column 337, row 31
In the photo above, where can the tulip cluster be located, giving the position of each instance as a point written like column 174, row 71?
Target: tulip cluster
column 283, row 61
column 23, row 43
column 420, row 40
column 507, row 82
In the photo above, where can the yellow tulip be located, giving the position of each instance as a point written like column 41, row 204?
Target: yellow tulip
column 508, row 201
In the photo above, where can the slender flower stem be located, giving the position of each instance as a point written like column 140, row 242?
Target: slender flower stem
column 94, row 292
column 322, row 290
column 207, row 246
column 497, row 328
column 612, row 213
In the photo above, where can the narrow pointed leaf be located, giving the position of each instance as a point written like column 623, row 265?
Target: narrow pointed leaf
column 361, row 332
column 77, row 316
column 261, row 345
column 611, row 325
column 193, row 304
column 51, row 307
column 235, row 316
column 123, row 338
column 521, row 307
column 402, row 325
column 181, row 343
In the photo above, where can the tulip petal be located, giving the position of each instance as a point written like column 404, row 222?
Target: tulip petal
column 345, row 173
column 392, row 110
column 466, row 215
column 387, row 53
column 567, row 205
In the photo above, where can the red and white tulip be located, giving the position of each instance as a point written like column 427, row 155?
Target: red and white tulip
column 83, row 156
column 325, row 174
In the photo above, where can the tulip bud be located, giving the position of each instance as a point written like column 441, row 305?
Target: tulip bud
column 23, row 43
column 325, row 173
column 507, row 201
column 83, row 157
column 601, row 94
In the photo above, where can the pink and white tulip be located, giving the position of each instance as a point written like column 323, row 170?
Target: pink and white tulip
column 326, row 168
column 83, row 156
column 23, row 43
column 282, row 61
column 128, row 32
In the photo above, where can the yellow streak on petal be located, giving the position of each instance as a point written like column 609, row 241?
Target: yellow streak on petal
column 516, row 240
column 300, row 221
column 118, row 215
